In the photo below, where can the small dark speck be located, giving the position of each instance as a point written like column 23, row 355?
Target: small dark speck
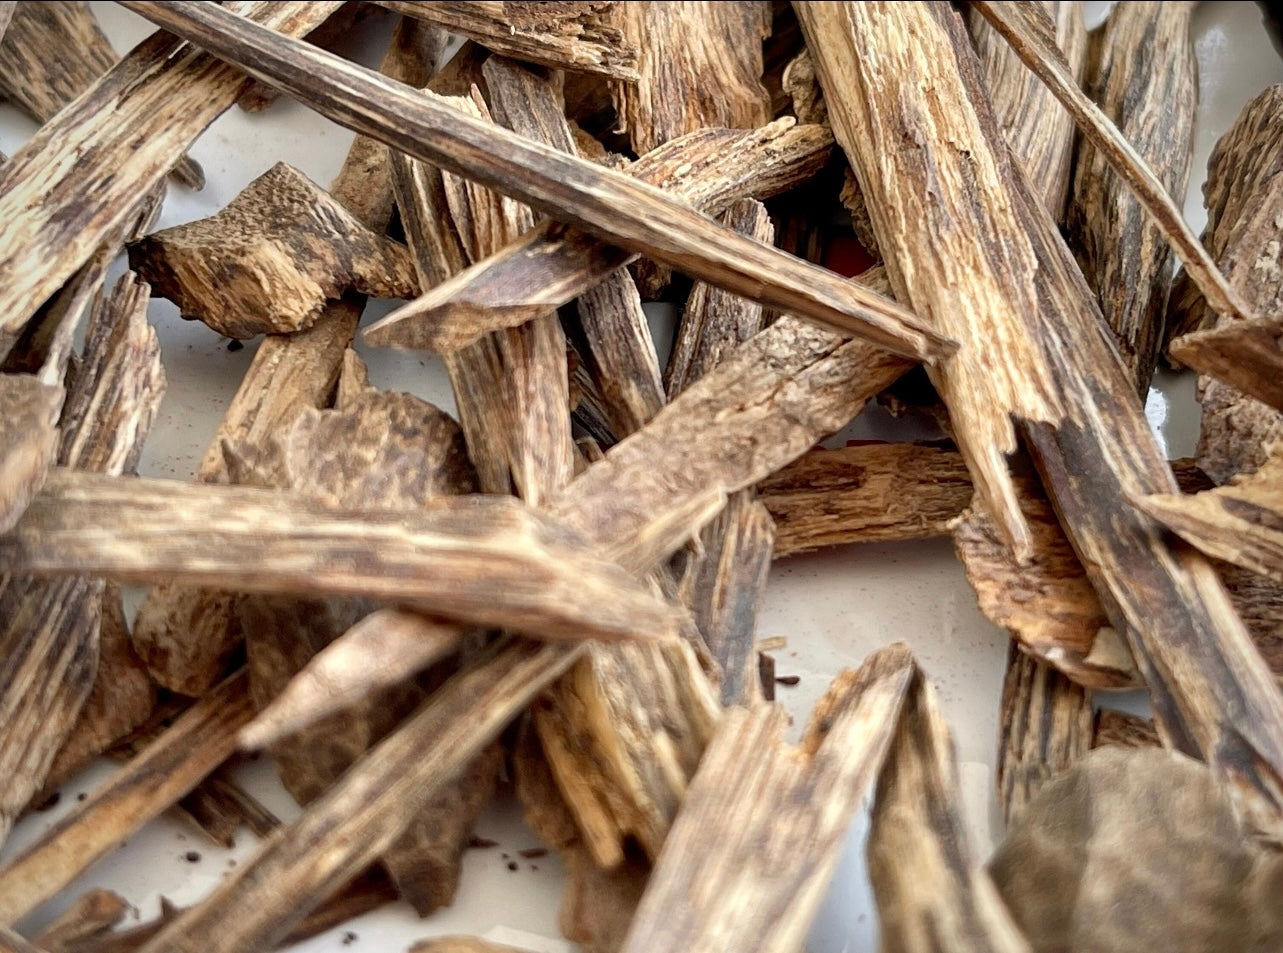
column 49, row 803
column 534, row 866
column 512, row 865
column 192, row 857
column 787, row 679
column 81, row 796
column 481, row 843
column 504, row 856
column 231, row 861
column 348, row 938
column 531, row 853
column 234, row 345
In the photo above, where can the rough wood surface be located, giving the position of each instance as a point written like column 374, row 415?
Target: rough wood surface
column 342, row 832
column 1141, row 72
column 870, row 492
column 528, row 572
column 28, row 440
column 1036, row 127
column 586, row 37
column 612, row 205
column 932, row 894
column 1123, row 729
column 201, row 739
column 1242, row 354
column 52, row 52
column 92, row 913
column 268, row 261
column 1045, row 725
column 699, row 64
column 75, row 181
column 762, row 825
column 1193, row 652
column 553, row 265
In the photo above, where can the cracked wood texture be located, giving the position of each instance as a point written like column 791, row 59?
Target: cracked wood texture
column 610, row 204
column 553, row 264
column 1212, row 693
column 763, row 823
column 582, row 37
column 76, row 180
column 481, row 560
column 1141, row 72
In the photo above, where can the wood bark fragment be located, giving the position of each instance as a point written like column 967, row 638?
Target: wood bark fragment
column 1122, row 729
column 266, row 541
column 1039, row 132
column 870, row 492
column 159, row 98
column 268, row 262
column 187, row 635
column 1142, row 75
column 699, row 64
column 762, row 868
column 92, row 913
column 197, row 743
column 1193, row 652
column 51, row 53
column 1242, row 354
column 1045, row 726
column 931, row 893
column 582, row 37
column 612, row 205
column 355, row 821
column 1024, row 26
column 553, row 265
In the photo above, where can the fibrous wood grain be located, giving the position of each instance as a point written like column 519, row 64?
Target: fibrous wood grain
column 748, row 859
column 267, row 541
column 77, row 179
column 268, row 262
column 158, row 776
column 1141, row 72
column 1123, row 729
column 28, row 440
column 1193, row 652
column 612, row 205
column 932, row 894
column 585, row 37
column 553, row 264
column 699, row 64
column 51, row 53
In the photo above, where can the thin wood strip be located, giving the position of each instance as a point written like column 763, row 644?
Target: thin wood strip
column 483, row 560
column 585, row 37
column 355, row 821
column 160, row 98
column 1018, row 23
column 762, row 825
column 612, row 205
column 553, row 264
column 197, row 743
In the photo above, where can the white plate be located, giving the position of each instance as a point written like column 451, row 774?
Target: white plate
column 834, row 607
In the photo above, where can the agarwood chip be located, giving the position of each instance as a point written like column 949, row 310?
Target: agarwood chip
column 28, row 441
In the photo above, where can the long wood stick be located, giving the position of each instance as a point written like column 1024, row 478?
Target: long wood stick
column 160, row 98
column 482, row 560
column 610, row 204
column 1018, row 22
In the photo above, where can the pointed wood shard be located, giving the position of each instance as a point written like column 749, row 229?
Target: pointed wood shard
column 269, row 261
column 1246, row 355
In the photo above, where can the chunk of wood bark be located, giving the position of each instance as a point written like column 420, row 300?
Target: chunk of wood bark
column 270, row 260
column 254, row 540
column 553, row 265
column 28, row 440
column 186, row 635
column 1166, row 600
column 1026, row 28
column 52, row 52
column 1141, row 73
column 77, row 179
column 699, row 64
column 582, row 37
column 931, row 893
column 612, row 205
column 357, row 819
column 92, row 913
column 162, row 773
column 869, row 492
column 763, row 866
column 1124, row 730
column 1122, row 825
column 1045, row 725
column 1039, row 132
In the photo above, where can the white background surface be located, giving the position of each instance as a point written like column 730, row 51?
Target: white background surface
column 833, row 607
